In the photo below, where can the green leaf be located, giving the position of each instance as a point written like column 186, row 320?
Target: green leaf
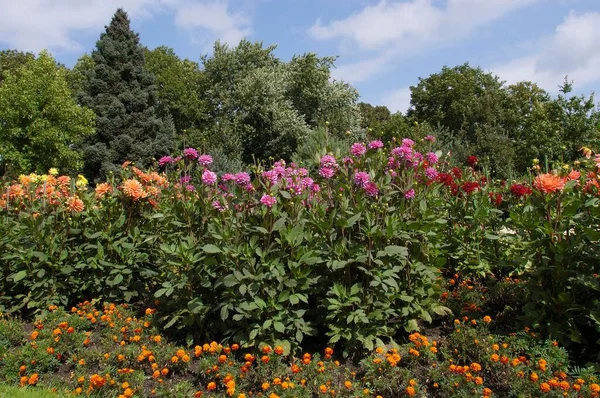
column 280, row 327
column 280, row 223
column 211, row 249
column 285, row 194
column 19, row 276
column 224, row 313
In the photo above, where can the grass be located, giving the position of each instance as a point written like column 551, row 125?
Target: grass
column 27, row 392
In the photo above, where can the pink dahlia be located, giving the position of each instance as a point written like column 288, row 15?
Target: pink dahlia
column 208, row 177
column 371, row 189
column 268, row 200
column 375, row 144
column 190, row 153
column 205, row 160
column 361, row 178
column 358, row 149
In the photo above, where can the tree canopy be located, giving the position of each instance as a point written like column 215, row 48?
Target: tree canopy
column 40, row 123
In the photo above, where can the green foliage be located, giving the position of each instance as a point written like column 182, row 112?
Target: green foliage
column 507, row 126
column 123, row 94
column 180, row 84
column 261, row 107
column 39, row 121
column 562, row 292
column 12, row 60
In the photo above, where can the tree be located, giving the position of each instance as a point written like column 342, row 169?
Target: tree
column 11, row 60
column 123, row 94
column 459, row 99
column 317, row 98
column 180, row 84
column 373, row 117
column 39, row 120
column 260, row 106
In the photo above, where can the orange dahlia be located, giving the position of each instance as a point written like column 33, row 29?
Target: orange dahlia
column 548, row 183
column 75, row 204
column 133, row 189
column 102, row 189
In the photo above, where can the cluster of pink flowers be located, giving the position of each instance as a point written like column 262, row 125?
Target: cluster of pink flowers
column 294, row 180
column 328, row 167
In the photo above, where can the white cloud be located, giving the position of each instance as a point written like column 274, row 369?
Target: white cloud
column 34, row 25
column 362, row 70
column 401, row 24
column 397, row 100
column 213, row 18
column 572, row 50
column 397, row 30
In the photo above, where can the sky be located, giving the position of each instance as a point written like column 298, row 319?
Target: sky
column 383, row 46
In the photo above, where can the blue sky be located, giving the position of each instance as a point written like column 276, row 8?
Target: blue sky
column 383, row 46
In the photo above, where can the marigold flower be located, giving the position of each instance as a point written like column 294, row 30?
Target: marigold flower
column 475, row 367
column 265, row 386
column 487, row 319
column 545, row 387
column 323, row 388
column 211, row 386
column 33, row 379
column 410, row 390
column 348, row 384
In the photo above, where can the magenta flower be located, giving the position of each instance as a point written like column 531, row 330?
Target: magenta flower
column 429, row 138
column 205, row 160
column 271, row 175
column 227, row 177
column 348, row 161
column 268, row 200
column 165, row 160
column 208, row 177
column 403, row 152
column 408, row 142
column 185, row 179
column 371, row 189
column 190, row 188
column 190, row 153
column 361, row 178
column 217, row 205
column 431, row 173
column 431, row 158
column 409, row 194
column 329, row 162
column 326, row 172
column 242, row 178
column 375, row 144
column 358, row 149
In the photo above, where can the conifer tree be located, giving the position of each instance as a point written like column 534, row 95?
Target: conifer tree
column 123, row 94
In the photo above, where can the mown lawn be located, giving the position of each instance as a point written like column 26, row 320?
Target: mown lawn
column 29, row 392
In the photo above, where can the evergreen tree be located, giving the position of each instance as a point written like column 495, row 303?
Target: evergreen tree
column 123, row 94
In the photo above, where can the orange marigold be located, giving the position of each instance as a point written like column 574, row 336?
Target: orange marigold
column 548, row 183
column 410, row 390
